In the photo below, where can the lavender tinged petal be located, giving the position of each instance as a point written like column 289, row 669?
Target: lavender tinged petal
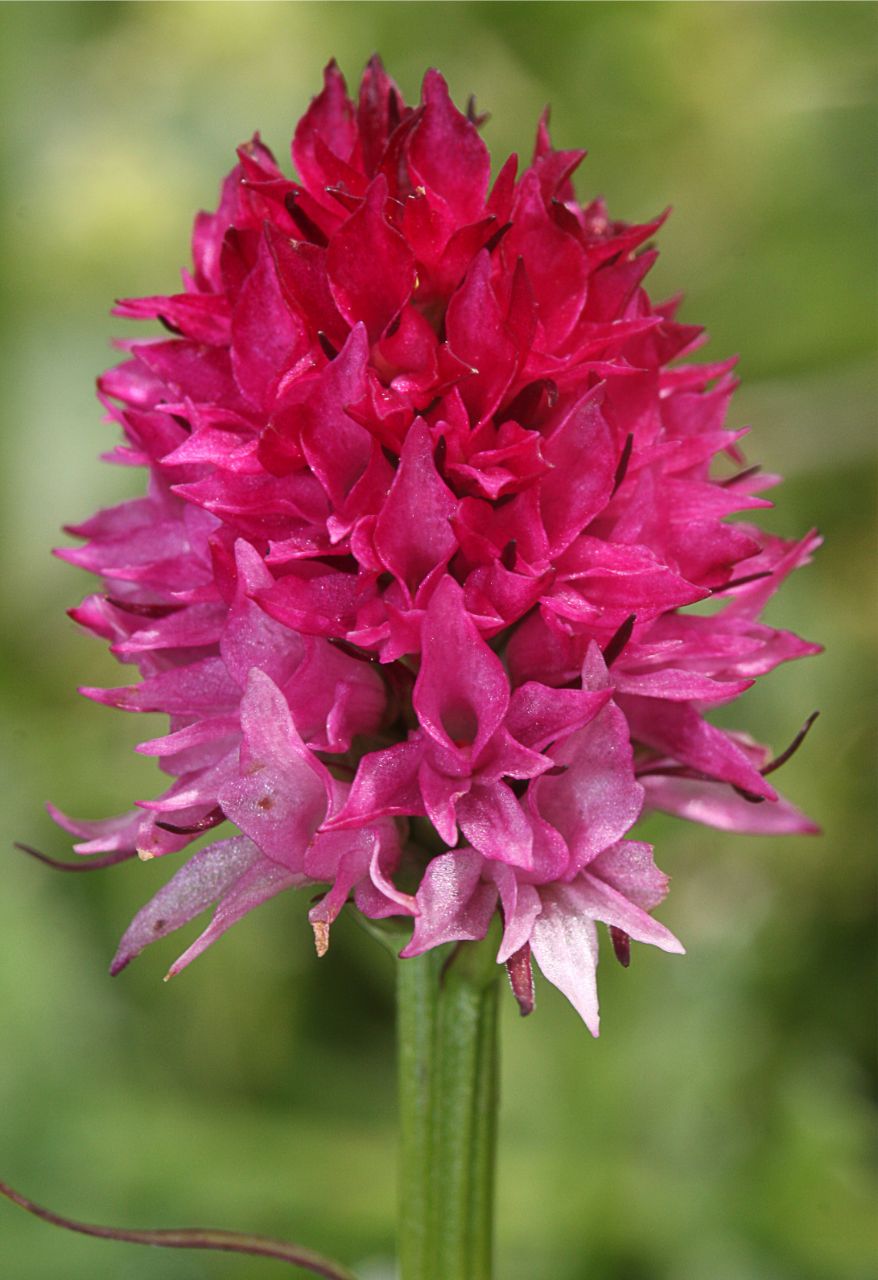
column 207, row 876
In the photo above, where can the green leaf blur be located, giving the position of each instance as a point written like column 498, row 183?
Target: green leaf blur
column 720, row 1128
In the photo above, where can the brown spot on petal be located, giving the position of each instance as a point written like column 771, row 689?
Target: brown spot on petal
column 321, row 937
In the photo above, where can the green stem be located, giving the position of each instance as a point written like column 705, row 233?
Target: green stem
column 447, row 1027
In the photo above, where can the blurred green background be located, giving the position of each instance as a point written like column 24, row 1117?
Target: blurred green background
column 721, row 1127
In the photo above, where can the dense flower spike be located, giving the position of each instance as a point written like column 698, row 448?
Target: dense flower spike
column 431, row 486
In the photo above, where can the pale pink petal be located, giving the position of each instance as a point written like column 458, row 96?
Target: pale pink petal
column 262, row 881
column 453, row 903
column 565, row 946
column 207, row 876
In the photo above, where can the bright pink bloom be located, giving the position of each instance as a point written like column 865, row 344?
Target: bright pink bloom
column 430, row 488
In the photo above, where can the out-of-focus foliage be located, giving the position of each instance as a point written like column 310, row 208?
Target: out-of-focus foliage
column 720, row 1127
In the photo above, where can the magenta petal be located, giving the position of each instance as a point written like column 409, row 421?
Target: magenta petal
column 677, row 685
column 386, row 782
column 494, row 823
column 251, row 638
column 280, row 798
column 329, row 119
column 781, row 558
column 379, row 878
column 478, row 336
column 538, row 715
column 337, row 448
column 676, row 728
column 441, row 794
column 446, row 154
column 101, row 835
column 371, row 268
column 571, row 494
column 462, row 690
column 321, row 604
column 453, row 904
column 596, row 799
column 342, row 858
column 521, row 906
column 720, row 807
column 202, row 687
column 267, row 336
column 208, row 875
column 413, row 534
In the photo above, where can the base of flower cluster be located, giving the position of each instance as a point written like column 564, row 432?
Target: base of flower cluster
column 448, row 1098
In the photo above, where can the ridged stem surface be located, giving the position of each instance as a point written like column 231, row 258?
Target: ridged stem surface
column 448, row 1060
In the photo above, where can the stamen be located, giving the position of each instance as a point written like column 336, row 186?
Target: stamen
column 191, row 1238
column 352, row 650
column 478, row 118
column 741, row 475
column 491, row 244
column 749, row 796
column 92, row 864
column 625, row 458
column 740, row 582
column 326, row 346
column 212, row 819
column 306, row 225
column 619, row 639
column 683, row 771
column 792, row 748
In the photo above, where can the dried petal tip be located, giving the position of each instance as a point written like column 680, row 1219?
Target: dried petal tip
column 621, row 945
column 521, row 979
column 321, row 937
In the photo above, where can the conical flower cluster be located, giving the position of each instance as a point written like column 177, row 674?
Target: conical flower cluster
column 431, row 486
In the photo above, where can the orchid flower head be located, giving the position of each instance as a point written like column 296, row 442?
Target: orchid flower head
column 432, row 489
